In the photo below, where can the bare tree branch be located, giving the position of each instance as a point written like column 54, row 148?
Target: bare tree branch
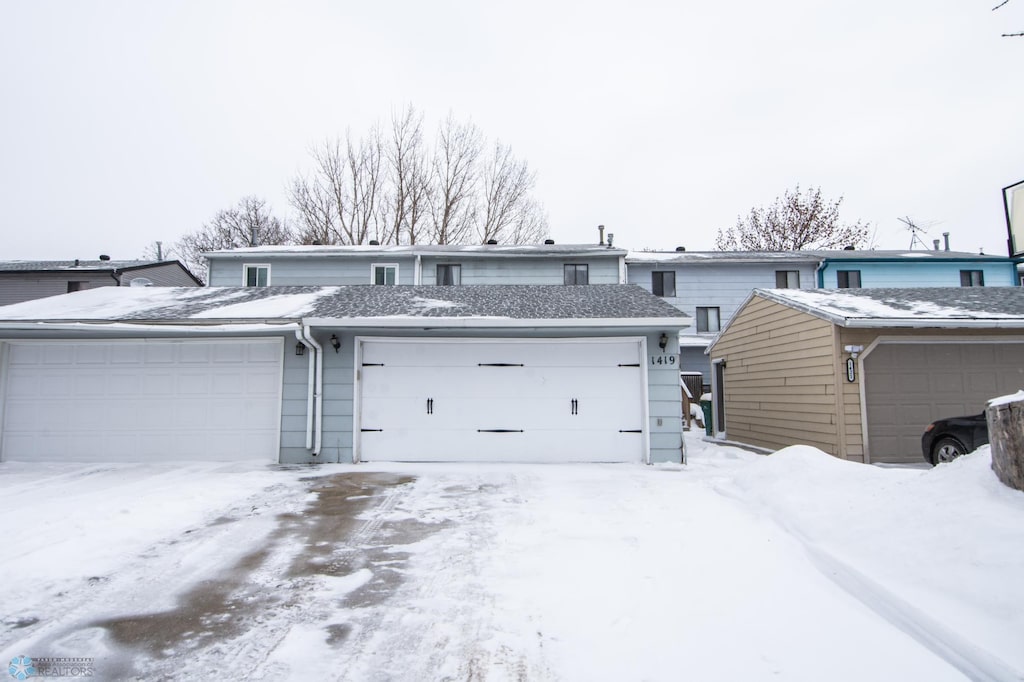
column 248, row 223
column 455, row 175
column 798, row 220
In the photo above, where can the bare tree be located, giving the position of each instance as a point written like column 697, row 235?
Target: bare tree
column 508, row 213
column 455, row 176
column 407, row 194
column 340, row 203
column 248, row 223
column 797, row 220
column 394, row 188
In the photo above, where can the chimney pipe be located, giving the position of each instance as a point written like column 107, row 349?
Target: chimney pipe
column 945, row 235
column 160, row 251
column 935, row 243
column 600, row 233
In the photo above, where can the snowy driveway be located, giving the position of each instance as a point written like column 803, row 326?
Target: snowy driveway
column 796, row 566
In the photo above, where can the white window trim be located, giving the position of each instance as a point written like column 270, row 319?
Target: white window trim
column 245, row 272
column 373, row 271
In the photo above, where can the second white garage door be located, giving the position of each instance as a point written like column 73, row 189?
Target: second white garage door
column 142, row 401
column 518, row 400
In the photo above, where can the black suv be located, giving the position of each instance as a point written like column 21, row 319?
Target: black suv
column 947, row 439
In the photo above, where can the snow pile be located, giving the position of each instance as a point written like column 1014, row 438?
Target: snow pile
column 1007, row 399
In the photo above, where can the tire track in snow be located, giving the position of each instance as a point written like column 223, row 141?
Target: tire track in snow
column 958, row 651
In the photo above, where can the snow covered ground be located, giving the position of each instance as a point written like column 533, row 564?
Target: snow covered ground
column 794, row 566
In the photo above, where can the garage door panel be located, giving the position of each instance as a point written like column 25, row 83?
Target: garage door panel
column 63, row 403
column 473, row 405
column 907, row 386
column 528, row 446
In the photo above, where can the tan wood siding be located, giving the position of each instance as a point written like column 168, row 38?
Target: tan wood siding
column 780, row 380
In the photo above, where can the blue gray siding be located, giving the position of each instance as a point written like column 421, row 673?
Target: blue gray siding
column 16, row 288
column 918, row 273
column 332, row 271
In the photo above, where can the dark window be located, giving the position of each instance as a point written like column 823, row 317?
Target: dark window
column 972, row 278
column 386, row 275
column 257, row 275
column 663, row 284
column 449, row 275
column 787, row 279
column 848, row 279
column 75, row 286
column 708, row 320
column 577, row 274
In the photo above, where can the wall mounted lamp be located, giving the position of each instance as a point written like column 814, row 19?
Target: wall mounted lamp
column 663, row 341
column 853, row 350
column 336, row 343
column 300, row 349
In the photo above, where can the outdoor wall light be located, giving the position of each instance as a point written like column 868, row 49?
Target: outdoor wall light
column 854, row 350
column 663, row 341
column 300, row 348
column 336, row 343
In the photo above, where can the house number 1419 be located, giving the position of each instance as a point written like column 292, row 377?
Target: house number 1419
column 670, row 360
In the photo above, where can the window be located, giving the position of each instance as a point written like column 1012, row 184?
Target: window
column 449, row 275
column 848, row 279
column 385, row 274
column 787, row 279
column 577, row 274
column 256, row 275
column 972, row 278
column 663, row 284
column 75, row 286
column 708, row 320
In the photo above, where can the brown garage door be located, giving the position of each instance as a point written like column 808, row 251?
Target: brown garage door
column 907, row 386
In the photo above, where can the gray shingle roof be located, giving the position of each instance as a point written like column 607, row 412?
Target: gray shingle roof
column 188, row 305
column 62, row 265
column 696, row 257
column 922, row 307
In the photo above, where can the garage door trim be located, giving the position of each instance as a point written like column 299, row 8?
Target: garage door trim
column 907, row 341
column 640, row 341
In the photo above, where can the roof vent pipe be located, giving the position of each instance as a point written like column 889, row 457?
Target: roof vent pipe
column 374, row 242
column 610, row 238
column 104, row 256
column 492, row 242
column 935, row 243
column 549, row 241
column 945, row 235
column 849, row 248
column 600, row 234
column 680, row 248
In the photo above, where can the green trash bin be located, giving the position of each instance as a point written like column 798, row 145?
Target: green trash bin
column 705, row 406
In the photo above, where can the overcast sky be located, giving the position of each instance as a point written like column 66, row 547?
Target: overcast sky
column 123, row 123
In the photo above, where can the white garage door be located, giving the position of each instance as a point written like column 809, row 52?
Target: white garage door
column 908, row 386
column 142, row 401
column 503, row 401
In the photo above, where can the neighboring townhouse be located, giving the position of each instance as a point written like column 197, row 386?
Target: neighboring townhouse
column 860, row 373
column 24, row 280
column 877, row 269
column 711, row 285
column 451, row 265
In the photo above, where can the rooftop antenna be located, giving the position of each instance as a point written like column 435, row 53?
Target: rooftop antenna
column 915, row 232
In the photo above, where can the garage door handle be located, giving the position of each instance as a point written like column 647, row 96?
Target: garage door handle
column 430, row 406
column 574, row 406
column 499, row 430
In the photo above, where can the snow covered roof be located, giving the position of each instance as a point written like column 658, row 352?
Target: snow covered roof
column 79, row 265
column 618, row 304
column 920, row 307
column 469, row 250
column 695, row 257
